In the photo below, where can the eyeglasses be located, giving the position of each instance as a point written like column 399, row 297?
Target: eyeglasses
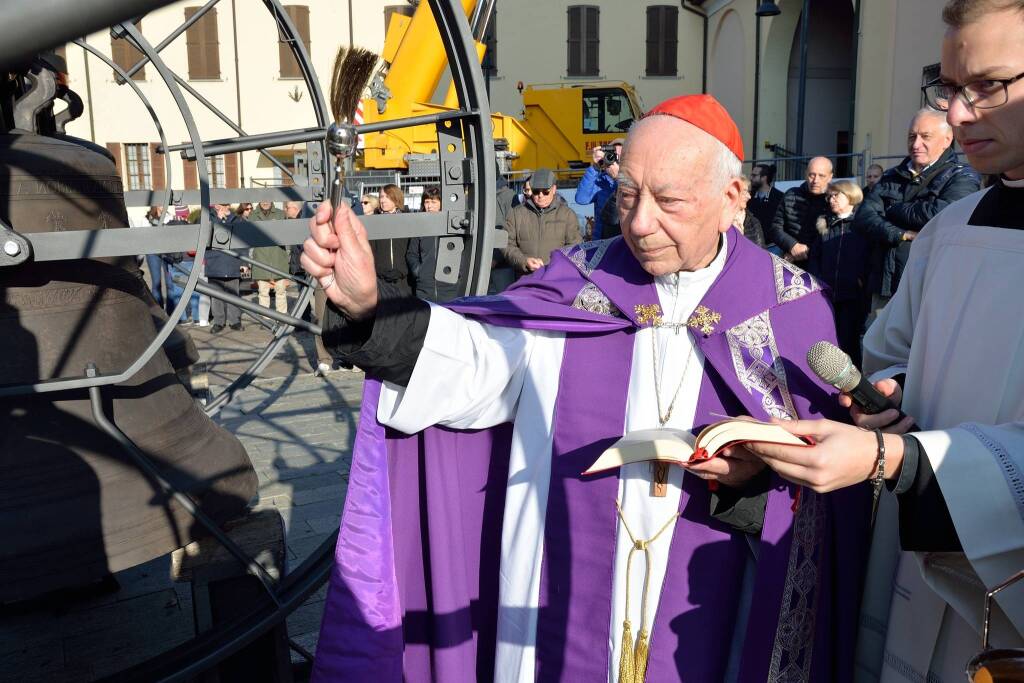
column 543, row 193
column 984, row 94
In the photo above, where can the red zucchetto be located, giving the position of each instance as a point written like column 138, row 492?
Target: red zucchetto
column 707, row 113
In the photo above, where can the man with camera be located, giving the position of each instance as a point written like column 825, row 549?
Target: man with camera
column 598, row 183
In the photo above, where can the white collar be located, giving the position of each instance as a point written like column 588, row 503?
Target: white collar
column 692, row 277
column 1013, row 183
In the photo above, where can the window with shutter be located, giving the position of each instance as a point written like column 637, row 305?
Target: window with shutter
column 583, row 41
column 201, row 43
column 124, row 53
column 662, row 40
column 137, row 169
column 115, row 151
column 215, row 171
column 157, row 161
column 299, row 14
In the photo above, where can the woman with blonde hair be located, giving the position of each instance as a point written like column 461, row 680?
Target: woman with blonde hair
column 369, row 204
column 839, row 257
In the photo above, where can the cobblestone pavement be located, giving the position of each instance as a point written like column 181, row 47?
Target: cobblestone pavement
column 298, row 430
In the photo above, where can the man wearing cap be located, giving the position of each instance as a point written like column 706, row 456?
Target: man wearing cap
column 598, row 183
column 472, row 547
column 540, row 225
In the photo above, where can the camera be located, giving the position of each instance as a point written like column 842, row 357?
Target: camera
column 610, row 156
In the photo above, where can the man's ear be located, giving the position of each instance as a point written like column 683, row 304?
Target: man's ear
column 730, row 203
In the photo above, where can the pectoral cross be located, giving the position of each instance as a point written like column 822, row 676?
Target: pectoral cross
column 659, row 479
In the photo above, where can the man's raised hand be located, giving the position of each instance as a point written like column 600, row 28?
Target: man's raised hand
column 337, row 254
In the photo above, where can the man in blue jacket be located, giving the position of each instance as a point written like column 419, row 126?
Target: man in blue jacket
column 598, row 183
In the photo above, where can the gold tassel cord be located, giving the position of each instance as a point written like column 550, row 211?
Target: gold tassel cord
column 633, row 659
column 626, row 663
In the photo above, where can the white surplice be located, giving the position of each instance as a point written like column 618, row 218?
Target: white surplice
column 470, row 375
column 956, row 328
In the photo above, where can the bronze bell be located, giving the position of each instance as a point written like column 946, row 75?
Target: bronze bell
column 73, row 507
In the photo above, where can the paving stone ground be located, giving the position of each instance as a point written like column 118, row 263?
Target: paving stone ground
column 298, row 430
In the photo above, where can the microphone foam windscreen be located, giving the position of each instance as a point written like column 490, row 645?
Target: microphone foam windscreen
column 828, row 361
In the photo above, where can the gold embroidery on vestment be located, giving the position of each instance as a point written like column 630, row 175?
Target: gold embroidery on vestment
column 704, row 319
column 647, row 314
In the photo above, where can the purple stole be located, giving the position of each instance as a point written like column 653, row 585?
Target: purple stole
column 414, row 592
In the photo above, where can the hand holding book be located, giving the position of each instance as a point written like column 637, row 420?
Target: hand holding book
column 682, row 448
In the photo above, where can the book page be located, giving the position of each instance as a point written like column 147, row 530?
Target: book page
column 719, row 435
column 669, row 445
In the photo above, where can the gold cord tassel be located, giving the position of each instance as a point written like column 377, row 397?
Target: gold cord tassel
column 640, row 658
column 633, row 660
column 626, row 654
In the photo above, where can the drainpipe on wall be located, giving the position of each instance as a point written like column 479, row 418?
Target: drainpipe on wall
column 704, row 45
column 757, row 85
column 238, row 94
column 853, row 78
column 351, row 32
column 88, row 94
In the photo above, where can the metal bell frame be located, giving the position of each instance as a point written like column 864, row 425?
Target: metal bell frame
column 467, row 180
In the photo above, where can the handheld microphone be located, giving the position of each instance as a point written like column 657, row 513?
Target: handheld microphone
column 834, row 366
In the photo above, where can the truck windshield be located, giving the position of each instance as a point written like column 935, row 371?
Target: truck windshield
column 606, row 110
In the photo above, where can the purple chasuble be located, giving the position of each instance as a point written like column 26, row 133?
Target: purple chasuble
column 414, row 593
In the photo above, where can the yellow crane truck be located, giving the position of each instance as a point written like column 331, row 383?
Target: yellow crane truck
column 560, row 122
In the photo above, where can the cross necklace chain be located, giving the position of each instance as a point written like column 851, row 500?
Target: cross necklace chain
column 676, row 326
column 659, row 470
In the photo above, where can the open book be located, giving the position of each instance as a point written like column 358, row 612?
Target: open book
column 678, row 446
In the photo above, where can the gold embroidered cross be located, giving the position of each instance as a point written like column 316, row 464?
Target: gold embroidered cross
column 704, row 319
column 648, row 313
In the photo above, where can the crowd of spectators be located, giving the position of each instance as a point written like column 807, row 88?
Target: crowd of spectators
column 855, row 239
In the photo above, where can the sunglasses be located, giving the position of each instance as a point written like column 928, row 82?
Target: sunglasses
column 366, row 201
column 543, row 193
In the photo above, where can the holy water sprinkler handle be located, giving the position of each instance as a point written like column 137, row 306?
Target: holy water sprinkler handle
column 341, row 142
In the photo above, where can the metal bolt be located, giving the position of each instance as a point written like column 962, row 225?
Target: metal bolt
column 12, row 248
column 454, row 172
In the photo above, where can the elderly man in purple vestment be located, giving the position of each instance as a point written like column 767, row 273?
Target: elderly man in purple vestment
column 472, row 548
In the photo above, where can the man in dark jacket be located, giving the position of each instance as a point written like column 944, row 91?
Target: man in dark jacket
column 222, row 270
column 793, row 229
column 541, row 225
column 764, row 197
column 908, row 196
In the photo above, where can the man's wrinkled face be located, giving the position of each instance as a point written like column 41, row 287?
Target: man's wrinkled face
column 987, row 50
column 928, row 138
column 672, row 204
column 265, row 206
column 292, row 209
column 819, row 175
column 543, row 198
